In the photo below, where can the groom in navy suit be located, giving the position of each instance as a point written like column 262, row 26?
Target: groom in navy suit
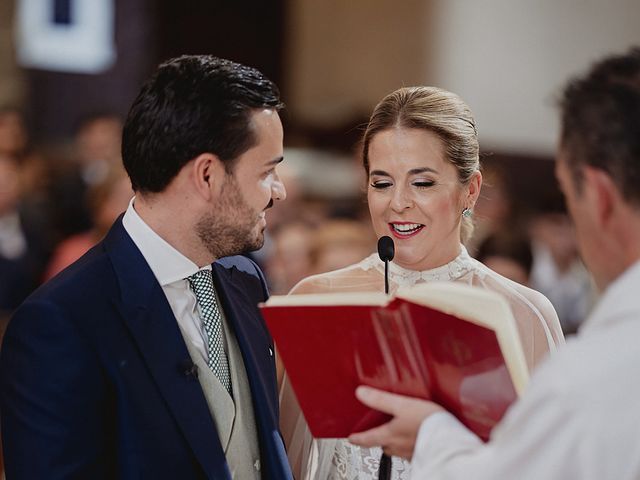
column 148, row 357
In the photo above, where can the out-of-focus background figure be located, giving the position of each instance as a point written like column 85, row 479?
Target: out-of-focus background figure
column 340, row 242
column 509, row 254
column 13, row 135
column 16, row 275
column 557, row 270
column 93, row 154
column 69, row 70
column 24, row 239
column 106, row 200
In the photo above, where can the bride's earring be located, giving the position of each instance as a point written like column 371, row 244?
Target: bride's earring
column 466, row 213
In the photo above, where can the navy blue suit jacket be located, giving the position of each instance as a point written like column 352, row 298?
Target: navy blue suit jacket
column 94, row 377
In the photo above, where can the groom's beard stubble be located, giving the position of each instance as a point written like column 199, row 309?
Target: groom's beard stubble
column 232, row 228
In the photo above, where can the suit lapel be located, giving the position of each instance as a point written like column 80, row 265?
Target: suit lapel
column 253, row 340
column 152, row 324
column 255, row 345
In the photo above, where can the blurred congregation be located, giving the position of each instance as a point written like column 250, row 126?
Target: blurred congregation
column 55, row 204
column 61, row 113
column 69, row 71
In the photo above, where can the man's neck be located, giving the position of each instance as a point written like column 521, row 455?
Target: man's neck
column 623, row 249
column 173, row 222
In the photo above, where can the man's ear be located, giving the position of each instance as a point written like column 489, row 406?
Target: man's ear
column 601, row 193
column 207, row 175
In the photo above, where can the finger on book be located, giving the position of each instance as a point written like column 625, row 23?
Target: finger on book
column 379, row 399
column 371, row 438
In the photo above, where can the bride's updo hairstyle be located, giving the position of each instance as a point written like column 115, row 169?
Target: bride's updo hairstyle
column 436, row 110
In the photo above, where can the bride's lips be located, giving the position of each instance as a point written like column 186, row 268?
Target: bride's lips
column 404, row 230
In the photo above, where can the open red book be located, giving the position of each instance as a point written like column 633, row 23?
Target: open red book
column 450, row 342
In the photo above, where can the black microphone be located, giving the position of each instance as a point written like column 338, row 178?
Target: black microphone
column 188, row 369
column 385, row 467
column 386, row 251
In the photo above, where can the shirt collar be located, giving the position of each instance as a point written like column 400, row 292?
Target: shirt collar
column 619, row 301
column 167, row 264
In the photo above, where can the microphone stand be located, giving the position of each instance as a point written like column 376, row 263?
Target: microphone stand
column 386, row 276
column 386, row 251
column 384, row 472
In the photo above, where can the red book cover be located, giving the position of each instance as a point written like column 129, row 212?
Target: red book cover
column 331, row 343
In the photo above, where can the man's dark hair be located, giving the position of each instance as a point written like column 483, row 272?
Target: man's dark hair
column 601, row 122
column 193, row 104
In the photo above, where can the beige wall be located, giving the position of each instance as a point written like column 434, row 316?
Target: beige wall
column 507, row 58
column 345, row 55
column 11, row 88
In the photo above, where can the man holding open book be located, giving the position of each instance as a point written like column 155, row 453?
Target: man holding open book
column 579, row 417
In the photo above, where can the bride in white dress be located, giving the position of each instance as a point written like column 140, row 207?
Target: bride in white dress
column 420, row 152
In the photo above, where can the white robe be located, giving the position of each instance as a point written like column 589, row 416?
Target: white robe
column 578, row 419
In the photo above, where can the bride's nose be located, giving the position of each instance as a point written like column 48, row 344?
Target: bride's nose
column 401, row 199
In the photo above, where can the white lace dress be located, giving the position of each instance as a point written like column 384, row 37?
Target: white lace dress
column 337, row 459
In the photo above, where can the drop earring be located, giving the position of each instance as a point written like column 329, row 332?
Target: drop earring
column 466, row 213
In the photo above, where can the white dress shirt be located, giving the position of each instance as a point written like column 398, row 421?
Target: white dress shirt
column 171, row 269
column 578, row 419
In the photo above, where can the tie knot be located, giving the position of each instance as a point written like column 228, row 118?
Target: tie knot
column 202, row 285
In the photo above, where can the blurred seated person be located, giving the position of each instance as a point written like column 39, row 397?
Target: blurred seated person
column 279, row 217
column 289, row 259
column 34, row 171
column 23, row 250
column 340, row 242
column 13, row 132
column 420, row 153
column 557, row 269
column 494, row 210
column 509, row 254
column 106, row 200
column 96, row 150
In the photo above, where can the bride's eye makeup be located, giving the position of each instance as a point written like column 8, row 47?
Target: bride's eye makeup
column 381, row 184
column 423, row 183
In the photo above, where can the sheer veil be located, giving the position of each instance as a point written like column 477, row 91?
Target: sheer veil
column 337, row 459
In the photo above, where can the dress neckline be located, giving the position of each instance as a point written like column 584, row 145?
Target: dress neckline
column 451, row 271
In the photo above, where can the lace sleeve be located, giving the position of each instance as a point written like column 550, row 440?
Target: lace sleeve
column 536, row 319
column 336, row 459
column 350, row 462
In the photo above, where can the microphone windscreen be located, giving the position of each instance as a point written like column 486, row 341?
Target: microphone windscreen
column 386, row 250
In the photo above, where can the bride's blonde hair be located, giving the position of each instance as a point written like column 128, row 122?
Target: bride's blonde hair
column 436, row 110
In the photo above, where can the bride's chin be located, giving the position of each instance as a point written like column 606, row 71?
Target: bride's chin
column 405, row 261
column 411, row 259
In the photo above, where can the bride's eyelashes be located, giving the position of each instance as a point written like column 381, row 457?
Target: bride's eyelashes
column 423, row 183
column 382, row 184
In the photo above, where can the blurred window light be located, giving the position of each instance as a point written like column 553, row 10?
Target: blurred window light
column 66, row 35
